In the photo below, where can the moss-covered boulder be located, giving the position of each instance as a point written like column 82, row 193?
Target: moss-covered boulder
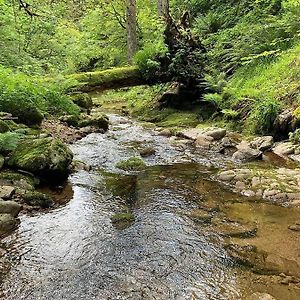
column 132, row 164
column 47, row 158
column 71, row 120
column 98, row 120
column 10, row 207
column 34, row 198
column 83, row 100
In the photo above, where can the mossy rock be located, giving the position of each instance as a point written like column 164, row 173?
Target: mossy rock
column 37, row 199
column 71, row 120
column 83, row 100
column 132, row 164
column 47, row 158
column 7, row 224
column 123, row 220
column 18, row 180
column 99, row 121
column 4, row 127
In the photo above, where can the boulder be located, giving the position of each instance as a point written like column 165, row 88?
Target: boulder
column 146, row 152
column 70, row 120
column 262, row 143
column 166, row 132
column 204, row 142
column 98, row 120
column 10, row 207
column 284, row 149
column 192, row 133
column 245, row 153
column 216, row 133
column 37, row 199
column 83, row 100
column 284, row 123
column 6, row 192
column 48, row 158
column 7, row 223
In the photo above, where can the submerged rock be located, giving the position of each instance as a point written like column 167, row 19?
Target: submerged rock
column 201, row 216
column 37, row 199
column 48, row 158
column 123, row 220
column 146, row 152
column 132, row 164
column 261, row 296
column 10, row 207
column 234, row 229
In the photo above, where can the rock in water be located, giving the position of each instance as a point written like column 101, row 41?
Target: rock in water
column 10, row 207
column 7, row 223
column 262, row 143
column 246, row 153
column 37, row 199
column 261, row 296
column 47, row 157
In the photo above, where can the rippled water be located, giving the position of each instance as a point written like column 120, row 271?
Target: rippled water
column 75, row 252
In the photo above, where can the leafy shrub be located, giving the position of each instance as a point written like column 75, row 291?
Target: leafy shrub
column 148, row 59
column 295, row 136
column 9, row 141
column 263, row 115
column 29, row 98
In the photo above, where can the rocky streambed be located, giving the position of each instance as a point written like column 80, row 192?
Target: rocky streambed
column 162, row 217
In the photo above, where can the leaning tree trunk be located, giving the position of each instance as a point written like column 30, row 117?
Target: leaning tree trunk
column 131, row 29
column 163, row 8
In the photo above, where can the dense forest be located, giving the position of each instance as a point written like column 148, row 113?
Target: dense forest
column 242, row 56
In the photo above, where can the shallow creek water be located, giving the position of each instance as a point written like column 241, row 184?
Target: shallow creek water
column 75, row 252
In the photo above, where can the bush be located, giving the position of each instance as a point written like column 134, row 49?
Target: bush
column 9, row 141
column 148, row 60
column 28, row 98
column 262, row 117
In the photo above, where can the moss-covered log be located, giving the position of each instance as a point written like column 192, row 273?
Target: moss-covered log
column 117, row 77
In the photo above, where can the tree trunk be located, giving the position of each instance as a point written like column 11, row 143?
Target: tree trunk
column 131, row 29
column 163, row 8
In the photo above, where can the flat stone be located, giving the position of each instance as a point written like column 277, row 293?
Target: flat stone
column 6, row 192
column 10, row 207
column 204, row 142
column 217, row 133
column 192, row 133
column 236, row 230
column 262, row 143
column 227, row 175
column 284, row 149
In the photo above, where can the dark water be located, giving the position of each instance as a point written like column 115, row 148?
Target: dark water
column 75, row 252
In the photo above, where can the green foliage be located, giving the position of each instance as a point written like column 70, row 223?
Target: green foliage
column 9, row 141
column 29, row 98
column 295, row 136
column 262, row 116
column 149, row 60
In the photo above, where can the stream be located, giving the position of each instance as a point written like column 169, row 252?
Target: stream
column 76, row 252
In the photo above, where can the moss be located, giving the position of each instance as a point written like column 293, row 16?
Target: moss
column 100, row 121
column 37, row 199
column 14, row 178
column 46, row 157
column 180, row 119
column 132, row 164
column 82, row 100
column 111, row 76
column 123, row 217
